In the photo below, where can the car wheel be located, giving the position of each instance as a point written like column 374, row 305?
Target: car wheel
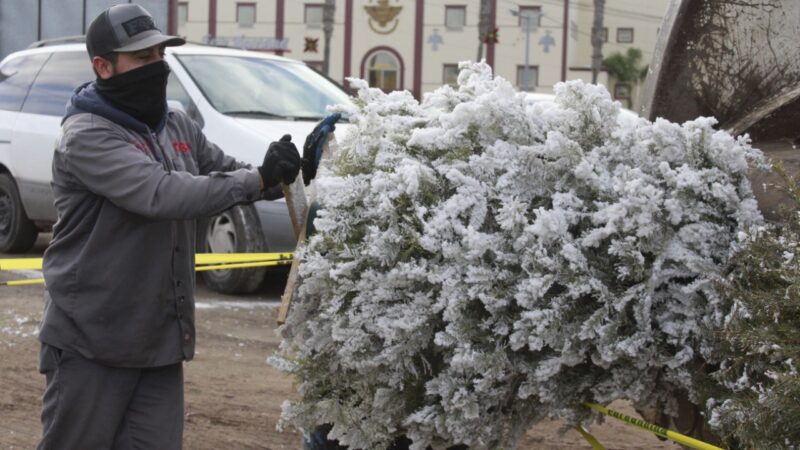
column 17, row 232
column 236, row 230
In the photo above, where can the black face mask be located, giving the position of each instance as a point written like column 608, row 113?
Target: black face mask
column 141, row 92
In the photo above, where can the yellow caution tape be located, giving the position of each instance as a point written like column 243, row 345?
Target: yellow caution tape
column 242, row 265
column 200, row 259
column 224, row 258
column 596, row 445
column 660, row 431
column 203, row 261
column 22, row 282
column 21, row 264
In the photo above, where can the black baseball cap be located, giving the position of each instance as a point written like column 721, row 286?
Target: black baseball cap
column 125, row 28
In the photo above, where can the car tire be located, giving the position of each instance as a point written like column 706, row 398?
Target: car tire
column 236, row 230
column 17, row 232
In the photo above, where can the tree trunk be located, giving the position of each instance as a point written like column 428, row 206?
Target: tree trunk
column 483, row 25
column 597, row 38
column 327, row 29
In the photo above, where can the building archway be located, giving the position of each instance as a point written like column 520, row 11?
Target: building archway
column 383, row 68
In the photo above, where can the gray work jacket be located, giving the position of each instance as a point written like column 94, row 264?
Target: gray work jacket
column 119, row 271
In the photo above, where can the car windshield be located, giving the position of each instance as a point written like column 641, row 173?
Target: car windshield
column 259, row 87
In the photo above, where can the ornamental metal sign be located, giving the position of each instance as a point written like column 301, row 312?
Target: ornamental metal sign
column 383, row 14
column 248, row 42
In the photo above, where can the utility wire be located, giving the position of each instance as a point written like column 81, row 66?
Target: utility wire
column 558, row 25
column 616, row 44
column 607, row 10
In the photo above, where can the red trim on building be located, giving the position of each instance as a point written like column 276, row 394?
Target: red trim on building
column 172, row 17
column 401, row 69
column 492, row 26
column 39, row 19
column 418, row 48
column 565, row 41
column 348, row 41
column 280, row 13
column 212, row 18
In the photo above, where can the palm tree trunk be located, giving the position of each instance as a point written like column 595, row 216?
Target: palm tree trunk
column 327, row 29
column 597, row 38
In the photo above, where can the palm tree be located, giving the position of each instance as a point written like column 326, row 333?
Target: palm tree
column 327, row 29
column 627, row 68
column 597, row 38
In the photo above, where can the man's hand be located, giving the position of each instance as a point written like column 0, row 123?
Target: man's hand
column 281, row 163
column 315, row 141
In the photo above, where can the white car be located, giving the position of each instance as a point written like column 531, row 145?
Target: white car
column 243, row 101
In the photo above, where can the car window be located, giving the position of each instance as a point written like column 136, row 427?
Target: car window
column 235, row 84
column 57, row 80
column 176, row 92
column 15, row 79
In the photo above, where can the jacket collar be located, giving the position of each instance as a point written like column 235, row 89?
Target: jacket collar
column 86, row 99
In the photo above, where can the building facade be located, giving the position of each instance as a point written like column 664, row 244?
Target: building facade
column 394, row 44
column 23, row 22
column 417, row 45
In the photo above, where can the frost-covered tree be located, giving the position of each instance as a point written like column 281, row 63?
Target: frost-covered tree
column 483, row 262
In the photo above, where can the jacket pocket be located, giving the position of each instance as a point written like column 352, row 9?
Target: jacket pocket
column 49, row 358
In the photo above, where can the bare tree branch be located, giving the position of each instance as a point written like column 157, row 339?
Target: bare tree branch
column 734, row 58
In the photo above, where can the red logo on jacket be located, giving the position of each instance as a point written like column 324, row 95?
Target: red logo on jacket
column 181, row 147
column 141, row 146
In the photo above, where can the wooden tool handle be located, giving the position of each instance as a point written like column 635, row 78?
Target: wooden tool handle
column 298, row 203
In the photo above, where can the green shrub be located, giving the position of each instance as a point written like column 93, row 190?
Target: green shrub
column 754, row 398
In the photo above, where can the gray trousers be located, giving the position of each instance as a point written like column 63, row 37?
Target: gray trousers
column 88, row 406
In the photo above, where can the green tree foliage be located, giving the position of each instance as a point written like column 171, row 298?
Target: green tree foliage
column 754, row 399
column 626, row 68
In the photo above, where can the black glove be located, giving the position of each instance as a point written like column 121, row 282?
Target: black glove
column 281, row 163
column 315, row 141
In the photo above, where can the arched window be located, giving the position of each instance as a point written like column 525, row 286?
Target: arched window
column 384, row 70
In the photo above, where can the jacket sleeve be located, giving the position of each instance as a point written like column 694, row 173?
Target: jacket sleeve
column 113, row 168
column 210, row 158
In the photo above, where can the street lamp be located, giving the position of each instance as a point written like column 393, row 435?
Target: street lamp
column 531, row 20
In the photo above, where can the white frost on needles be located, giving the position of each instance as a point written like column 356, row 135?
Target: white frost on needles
column 483, row 262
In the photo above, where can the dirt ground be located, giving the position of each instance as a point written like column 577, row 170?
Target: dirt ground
column 233, row 396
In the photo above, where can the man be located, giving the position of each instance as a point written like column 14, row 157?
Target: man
column 119, row 308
